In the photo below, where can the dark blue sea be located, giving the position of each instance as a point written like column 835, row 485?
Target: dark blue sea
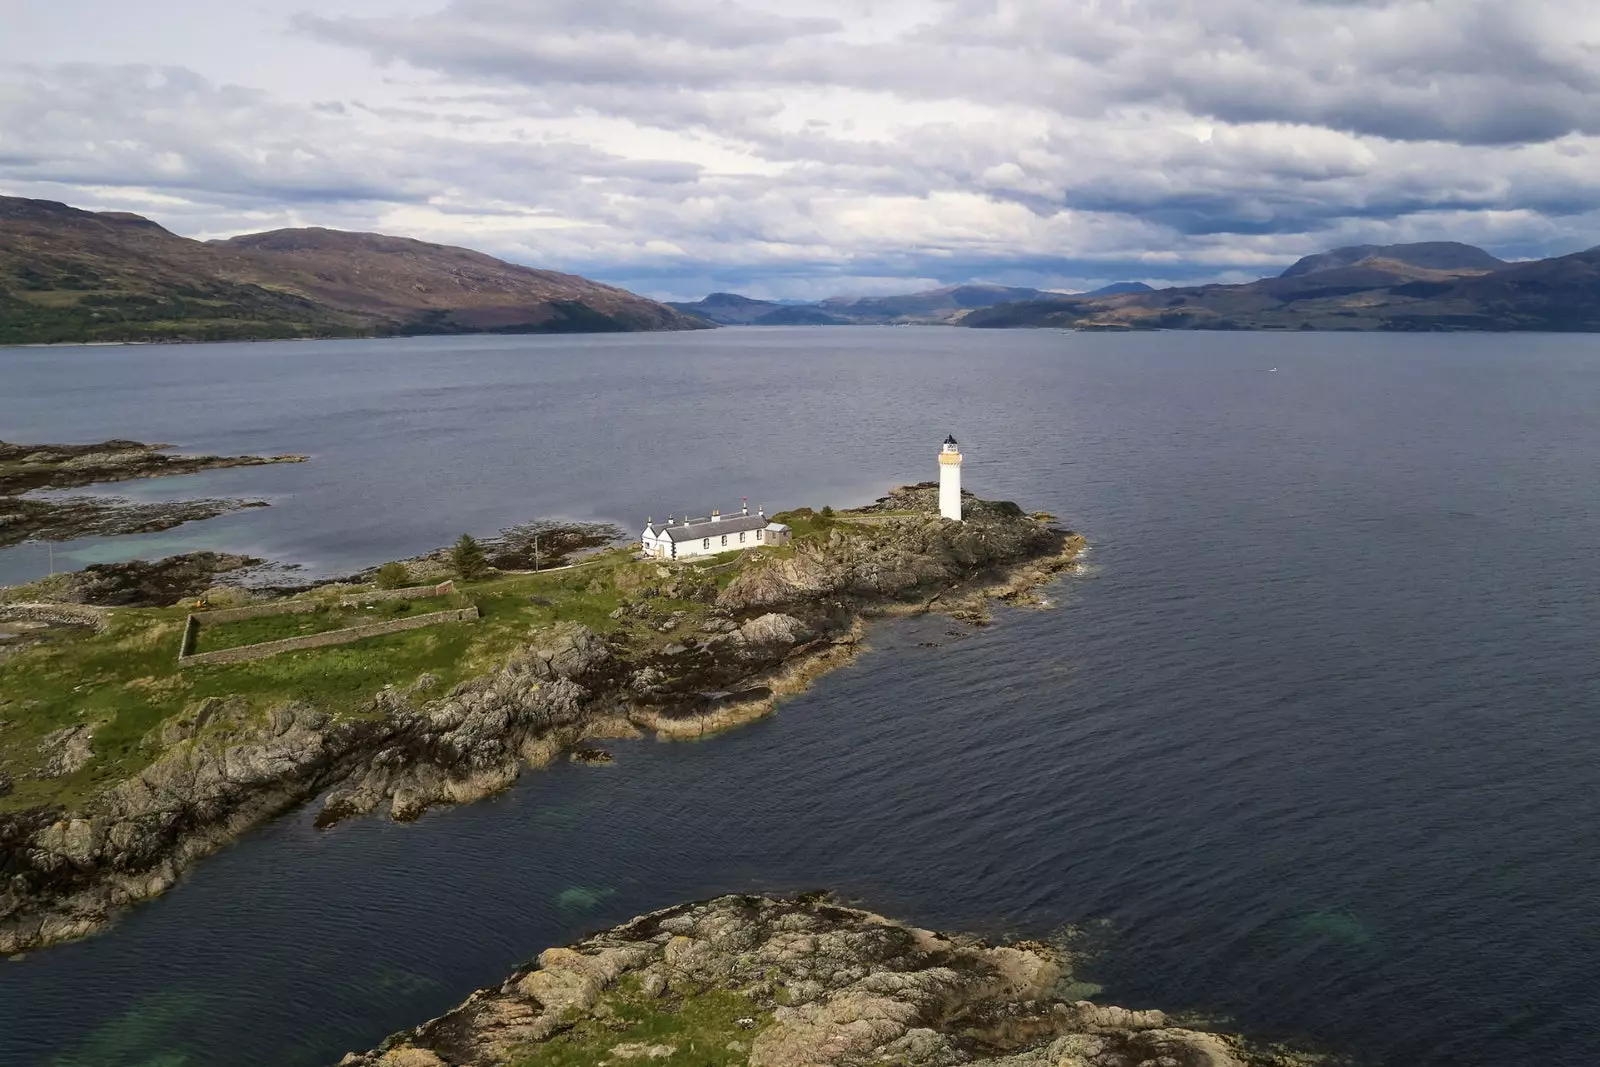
column 1312, row 742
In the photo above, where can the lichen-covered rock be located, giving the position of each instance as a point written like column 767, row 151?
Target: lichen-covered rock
column 223, row 769
column 892, row 557
column 799, row 983
column 66, row 751
column 566, row 650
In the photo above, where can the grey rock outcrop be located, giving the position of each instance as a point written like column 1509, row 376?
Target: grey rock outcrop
column 803, row 983
column 566, row 650
column 223, row 770
column 898, row 557
column 66, row 751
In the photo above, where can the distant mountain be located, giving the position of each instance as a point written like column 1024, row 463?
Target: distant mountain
column 1118, row 288
column 1447, row 256
column 800, row 315
column 73, row 275
column 728, row 309
column 1404, row 287
column 931, row 306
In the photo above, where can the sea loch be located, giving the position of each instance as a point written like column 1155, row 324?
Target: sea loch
column 1313, row 733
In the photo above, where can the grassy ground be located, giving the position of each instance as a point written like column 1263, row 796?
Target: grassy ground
column 700, row 1030
column 126, row 681
column 212, row 637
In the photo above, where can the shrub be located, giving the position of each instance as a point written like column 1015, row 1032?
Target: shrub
column 393, row 576
column 468, row 559
column 827, row 511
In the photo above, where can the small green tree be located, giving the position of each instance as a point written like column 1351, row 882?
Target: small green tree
column 468, row 559
column 827, row 511
column 393, row 576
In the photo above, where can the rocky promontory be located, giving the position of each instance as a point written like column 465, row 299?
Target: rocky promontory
column 800, row 983
column 25, row 468
column 615, row 648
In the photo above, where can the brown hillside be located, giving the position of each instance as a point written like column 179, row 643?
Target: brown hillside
column 72, row 275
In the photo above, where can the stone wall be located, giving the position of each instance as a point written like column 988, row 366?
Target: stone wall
column 67, row 614
column 266, row 649
column 257, row 611
column 415, row 592
column 191, row 631
column 300, row 607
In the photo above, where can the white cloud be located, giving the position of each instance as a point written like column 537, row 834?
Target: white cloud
column 676, row 144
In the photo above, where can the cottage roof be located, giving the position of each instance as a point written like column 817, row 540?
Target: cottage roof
column 697, row 528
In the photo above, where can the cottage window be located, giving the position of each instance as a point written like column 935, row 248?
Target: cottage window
column 758, row 535
column 741, row 538
column 724, row 539
column 706, row 543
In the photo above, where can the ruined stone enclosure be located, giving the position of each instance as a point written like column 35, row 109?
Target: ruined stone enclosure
column 335, row 623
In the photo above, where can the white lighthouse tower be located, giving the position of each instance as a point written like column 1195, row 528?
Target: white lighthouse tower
column 950, row 480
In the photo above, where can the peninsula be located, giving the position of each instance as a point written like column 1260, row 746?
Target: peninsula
column 25, row 468
column 122, row 764
column 801, row 982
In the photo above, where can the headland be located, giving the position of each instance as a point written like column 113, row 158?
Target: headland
column 121, row 766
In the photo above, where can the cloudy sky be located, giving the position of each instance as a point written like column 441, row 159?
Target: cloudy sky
column 802, row 149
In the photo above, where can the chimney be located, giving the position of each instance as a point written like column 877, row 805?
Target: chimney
column 744, row 506
column 669, row 520
column 716, row 515
column 762, row 511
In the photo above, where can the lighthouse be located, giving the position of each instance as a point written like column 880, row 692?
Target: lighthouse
column 950, row 480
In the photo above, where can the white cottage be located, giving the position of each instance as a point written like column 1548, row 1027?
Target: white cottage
column 707, row 537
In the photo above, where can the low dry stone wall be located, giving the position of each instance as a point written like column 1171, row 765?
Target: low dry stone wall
column 415, row 592
column 256, row 611
column 301, row 607
column 64, row 614
column 246, row 653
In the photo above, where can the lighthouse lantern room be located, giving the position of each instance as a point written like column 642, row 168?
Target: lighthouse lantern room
column 950, row 480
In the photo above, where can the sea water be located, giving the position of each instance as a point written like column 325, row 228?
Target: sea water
column 1309, row 743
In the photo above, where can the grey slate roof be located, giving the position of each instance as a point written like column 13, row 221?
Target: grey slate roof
column 700, row 528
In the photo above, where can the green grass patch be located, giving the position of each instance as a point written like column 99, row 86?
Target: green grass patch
column 126, row 681
column 805, row 522
column 699, row 1028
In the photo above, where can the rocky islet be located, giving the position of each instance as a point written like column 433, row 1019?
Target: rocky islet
column 801, row 982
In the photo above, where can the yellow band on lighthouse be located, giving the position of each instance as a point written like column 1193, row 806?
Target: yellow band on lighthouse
column 950, row 458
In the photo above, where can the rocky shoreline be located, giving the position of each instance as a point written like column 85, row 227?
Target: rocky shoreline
column 224, row 767
column 801, row 982
column 29, row 468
